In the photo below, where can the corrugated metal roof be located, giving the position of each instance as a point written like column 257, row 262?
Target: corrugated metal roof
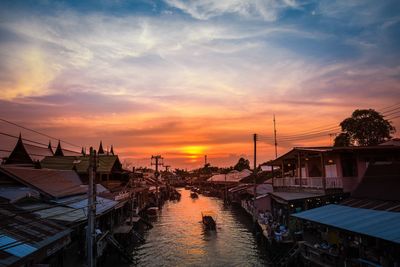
column 56, row 183
column 62, row 214
column 241, row 187
column 22, row 234
column 14, row 194
column 75, row 209
column 375, row 223
column 288, row 196
column 261, row 189
column 233, row 176
column 102, row 204
column 13, row 247
column 373, row 204
column 99, row 188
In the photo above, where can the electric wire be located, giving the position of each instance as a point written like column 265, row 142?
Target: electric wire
column 37, row 132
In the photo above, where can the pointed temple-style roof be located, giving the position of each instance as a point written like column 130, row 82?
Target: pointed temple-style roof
column 50, row 147
column 59, row 151
column 101, row 150
column 27, row 153
column 19, row 155
column 112, row 150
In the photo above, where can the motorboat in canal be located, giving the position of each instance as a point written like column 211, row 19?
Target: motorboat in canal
column 194, row 195
column 209, row 220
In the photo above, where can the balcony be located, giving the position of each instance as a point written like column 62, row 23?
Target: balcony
column 309, row 182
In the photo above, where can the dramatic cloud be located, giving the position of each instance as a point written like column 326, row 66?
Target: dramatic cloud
column 250, row 9
column 161, row 76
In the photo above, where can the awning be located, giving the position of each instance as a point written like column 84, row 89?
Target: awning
column 239, row 188
column 375, row 223
column 292, row 196
column 27, row 239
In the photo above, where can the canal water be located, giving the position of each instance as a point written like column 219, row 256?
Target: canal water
column 179, row 238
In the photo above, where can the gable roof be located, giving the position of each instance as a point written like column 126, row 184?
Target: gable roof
column 52, row 183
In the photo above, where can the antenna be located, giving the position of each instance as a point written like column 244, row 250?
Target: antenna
column 276, row 143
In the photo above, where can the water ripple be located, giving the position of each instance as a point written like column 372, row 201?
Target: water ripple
column 179, row 239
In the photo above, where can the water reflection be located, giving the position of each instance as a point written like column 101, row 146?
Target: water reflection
column 180, row 239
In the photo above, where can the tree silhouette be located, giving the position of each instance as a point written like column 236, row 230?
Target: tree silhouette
column 365, row 127
column 343, row 139
column 242, row 164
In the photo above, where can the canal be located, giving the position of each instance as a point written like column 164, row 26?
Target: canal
column 179, row 238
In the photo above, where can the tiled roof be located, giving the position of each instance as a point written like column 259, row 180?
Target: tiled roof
column 53, row 183
column 81, row 163
column 58, row 162
column 71, row 153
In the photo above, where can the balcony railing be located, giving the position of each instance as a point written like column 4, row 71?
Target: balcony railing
column 309, row 182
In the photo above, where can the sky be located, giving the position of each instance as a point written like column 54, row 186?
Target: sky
column 188, row 78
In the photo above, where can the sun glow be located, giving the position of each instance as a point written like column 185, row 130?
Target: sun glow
column 193, row 152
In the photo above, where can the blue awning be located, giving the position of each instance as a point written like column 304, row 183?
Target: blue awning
column 375, row 223
column 15, row 247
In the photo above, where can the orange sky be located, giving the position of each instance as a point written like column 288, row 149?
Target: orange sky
column 185, row 79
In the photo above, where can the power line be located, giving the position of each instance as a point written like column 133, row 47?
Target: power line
column 37, row 132
column 394, row 117
column 393, row 109
column 323, row 130
column 24, row 139
column 387, row 107
column 392, row 113
column 34, row 142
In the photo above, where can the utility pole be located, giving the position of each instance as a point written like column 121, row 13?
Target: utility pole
column 255, row 177
column 90, row 234
column 226, row 192
column 205, row 160
column 167, row 167
column 157, row 161
column 167, row 177
column 276, row 143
